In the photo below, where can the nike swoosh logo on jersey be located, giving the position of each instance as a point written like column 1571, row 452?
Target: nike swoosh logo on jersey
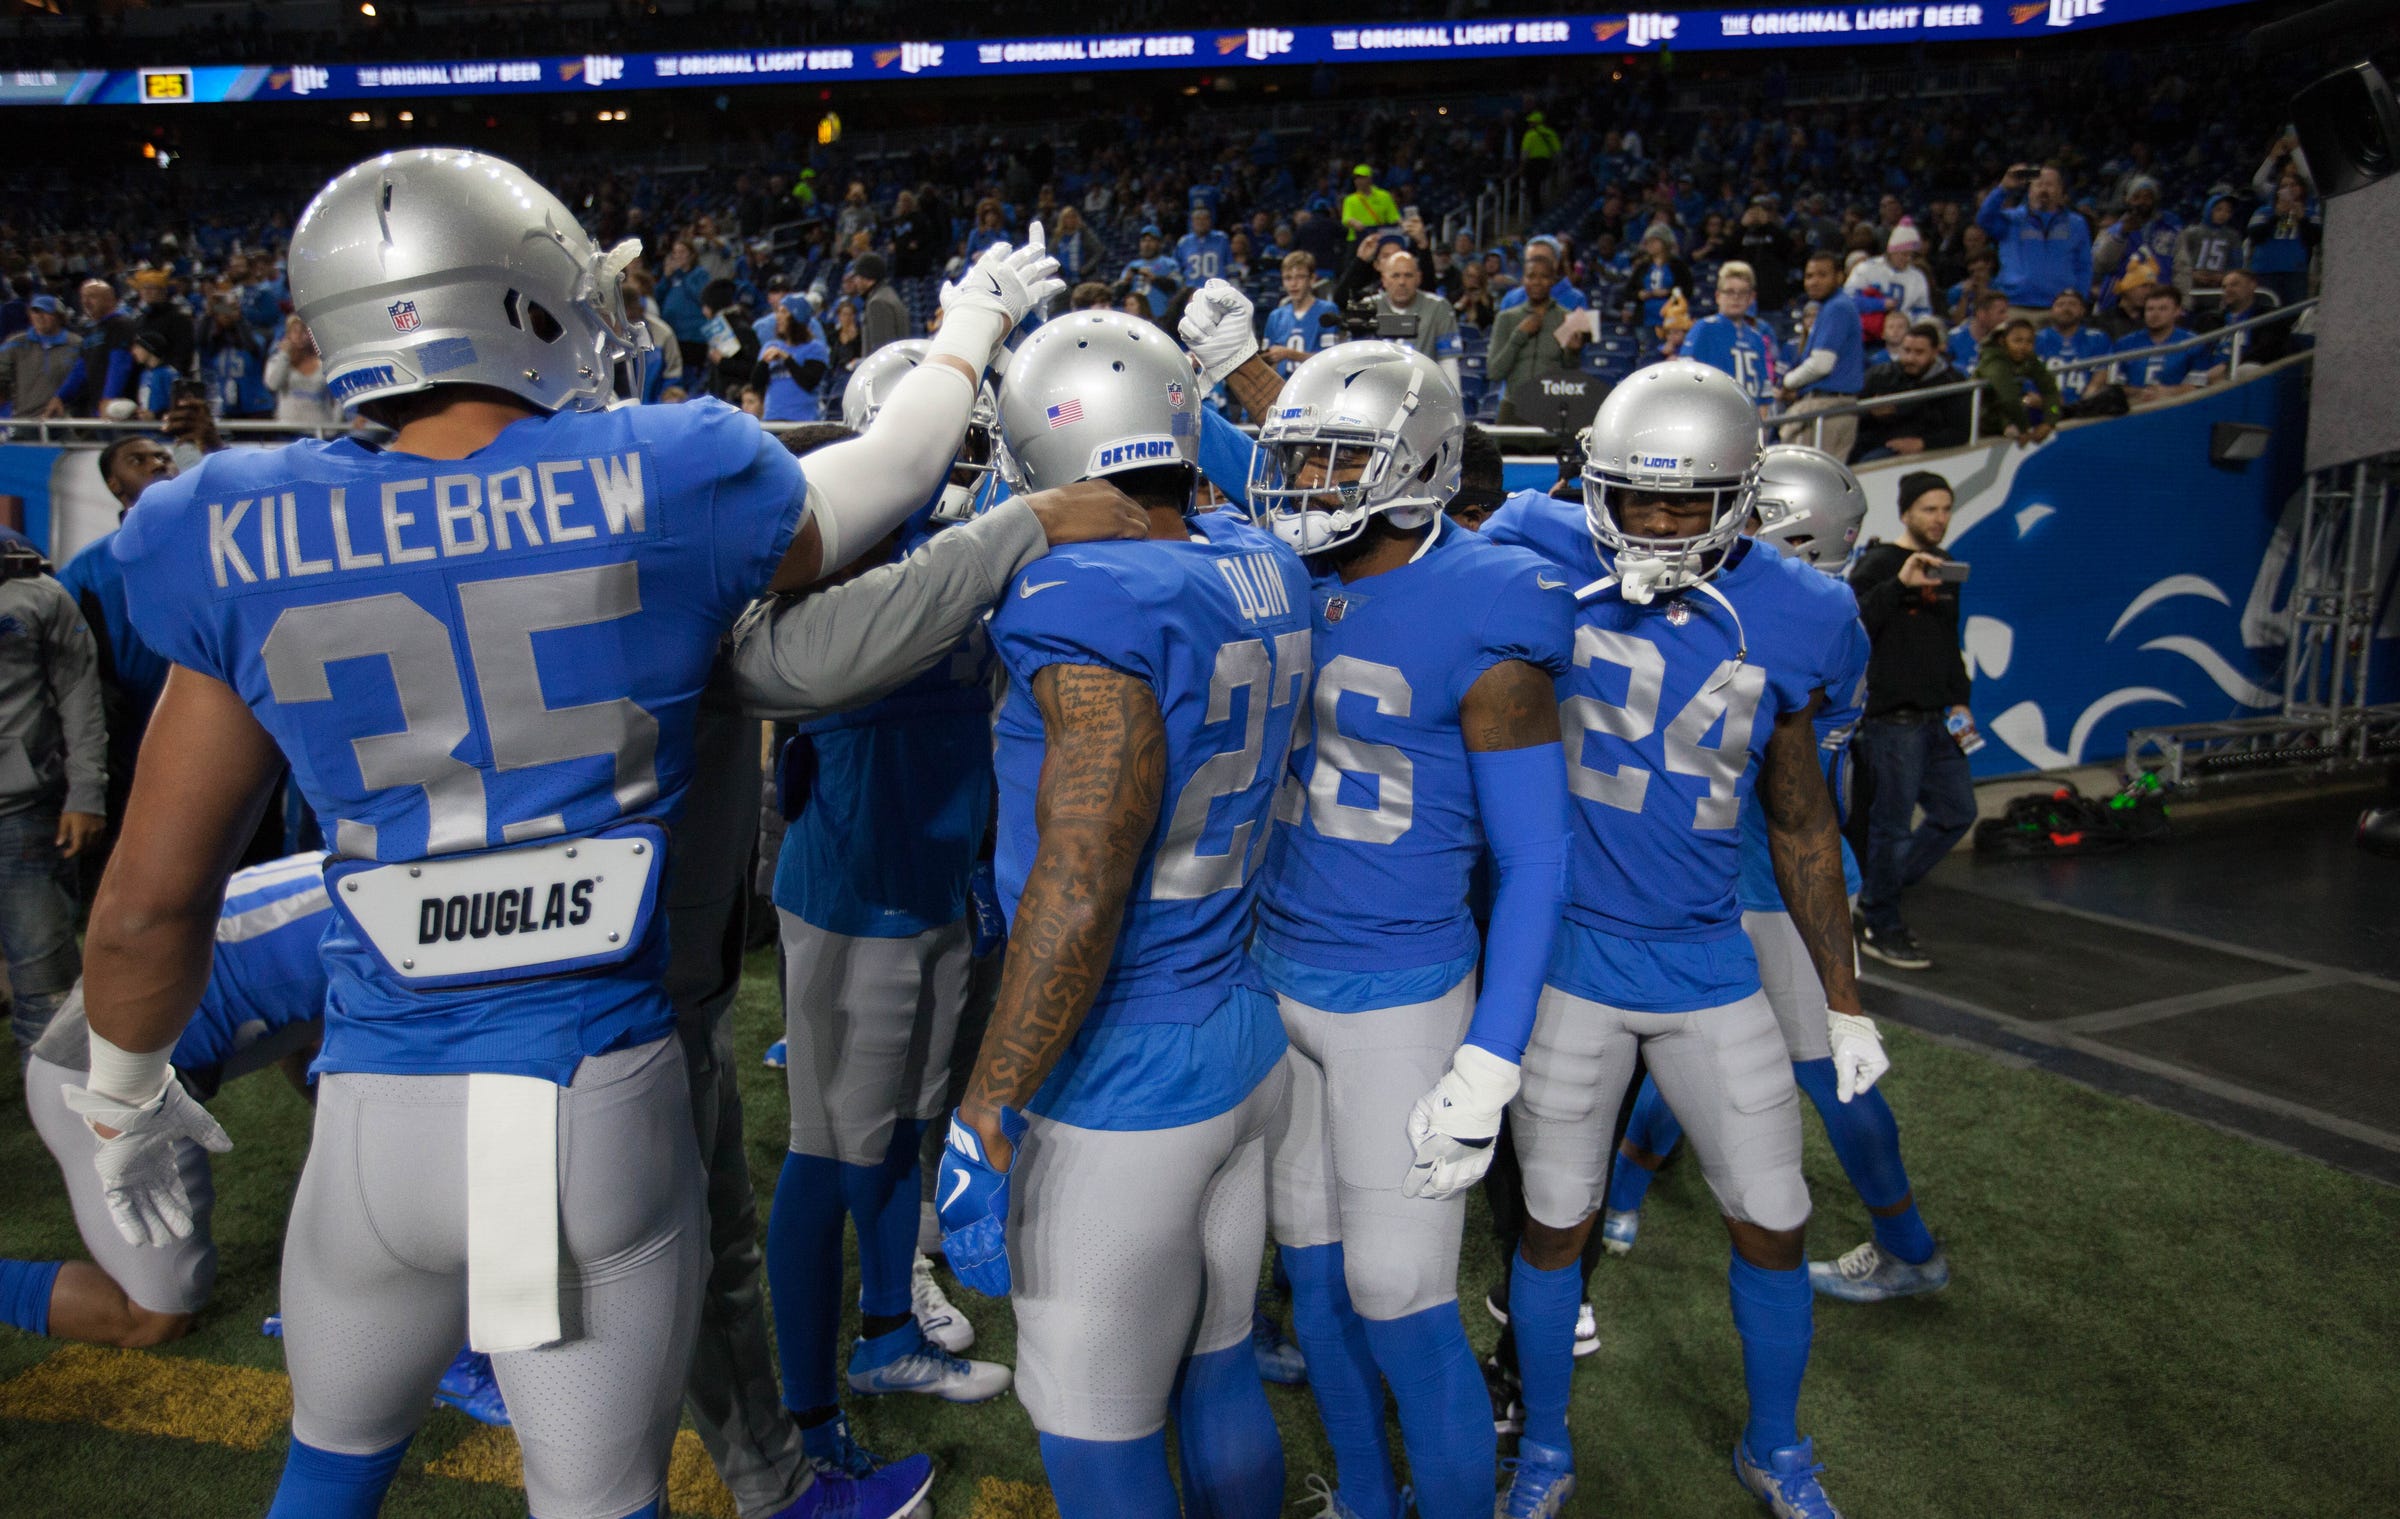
column 964, row 1181
column 1028, row 589
column 1549, row 585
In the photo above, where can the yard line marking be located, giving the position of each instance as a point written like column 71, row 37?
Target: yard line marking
column 140, row 1393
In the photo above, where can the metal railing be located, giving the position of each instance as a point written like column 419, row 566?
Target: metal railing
column 1975, row 389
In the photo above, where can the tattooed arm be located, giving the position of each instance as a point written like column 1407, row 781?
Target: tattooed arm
column 1805, row 838
column 1512, row 705
column 1102, row 779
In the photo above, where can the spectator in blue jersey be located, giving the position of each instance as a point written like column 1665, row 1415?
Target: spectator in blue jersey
column 2208, row 248
column 1302, row 324
column 233, row 363
column 1833, row 362
column 1732, row 339
column 1526, row 344
column 1656, row 282
column 36, row 362
column 262, row 293
column 131, row 672
column 990, row 227
column 1968, row 337
column 2044, row 246
column 104, row 371
column 153, row 378
column 1899, row 428
column 678, row 295
column 1203, row 253
column 1151, row 275
column 2157, row 376
column 2283, row 238
column 2067, row 340
column 791, row 367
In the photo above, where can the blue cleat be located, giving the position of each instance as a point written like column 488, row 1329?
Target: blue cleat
column 775, row 1057
column 1787, row 1484
column 469, row 1387
column 1541, row 1480
column 1867, row 1275
column 273, row 1327
column 1619, row 1227
column 878, row 1492
column 1279, row 1360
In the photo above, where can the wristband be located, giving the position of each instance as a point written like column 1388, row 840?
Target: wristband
column 130, row 1078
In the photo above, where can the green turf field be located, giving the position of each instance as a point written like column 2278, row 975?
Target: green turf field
column 2148, row 1317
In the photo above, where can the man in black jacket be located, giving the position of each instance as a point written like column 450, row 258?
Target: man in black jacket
column 1912, row 744
column 1913, row 427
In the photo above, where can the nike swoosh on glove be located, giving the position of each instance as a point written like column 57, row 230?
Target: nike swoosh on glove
column 1858, row 1057
column 1216, row 328
column 1005, row 281
column 138, row 1173
column 972, row 1200
column 1453, row 1126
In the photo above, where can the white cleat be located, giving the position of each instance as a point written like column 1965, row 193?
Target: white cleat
column 891, row 1365
column 936, row 1314
column 1587, row 1332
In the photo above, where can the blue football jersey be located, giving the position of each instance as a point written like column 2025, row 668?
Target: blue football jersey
column 1664, row 727
column 267, row 974
column 2058, row 350
column 97, row 582
column 1378, row 828
column 899, row 798
column 1741, row 349
column 456, row 655
column 1845, row 701
column 1218, row 628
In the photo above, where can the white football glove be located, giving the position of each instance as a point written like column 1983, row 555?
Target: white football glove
column 1858, row 1057
column 1216, row 328
column 138, row 1173
column 1453, row 1125
column 1001, row 286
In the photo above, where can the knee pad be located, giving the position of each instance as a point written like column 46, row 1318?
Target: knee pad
column 1393, row 1284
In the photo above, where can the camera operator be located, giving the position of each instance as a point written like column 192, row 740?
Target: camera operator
column 1912, row 746
column 53, row 782
column 1403, row 311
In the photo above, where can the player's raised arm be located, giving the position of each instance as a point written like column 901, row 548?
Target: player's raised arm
column 1804, row 837
column 862, row 488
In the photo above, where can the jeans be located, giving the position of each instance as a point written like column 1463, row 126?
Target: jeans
column 1907, row 763
column 37, row 920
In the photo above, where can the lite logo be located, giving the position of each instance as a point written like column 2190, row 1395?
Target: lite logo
column 2057, row 12
column 602, row 68
column 1645, row 27
column 915, row 57
column 308, row 78
column 1267, row 42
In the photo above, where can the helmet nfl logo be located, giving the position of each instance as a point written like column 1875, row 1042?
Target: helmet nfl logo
column 1678, row 614
column 1174, row 393
column 403, row 315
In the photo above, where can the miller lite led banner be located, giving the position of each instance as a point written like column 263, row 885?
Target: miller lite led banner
column 1252, row 47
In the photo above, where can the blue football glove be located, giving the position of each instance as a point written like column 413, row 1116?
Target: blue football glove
column 983, row 903
column 973, row 1203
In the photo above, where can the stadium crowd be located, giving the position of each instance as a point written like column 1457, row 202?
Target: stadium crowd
column 1959, row 238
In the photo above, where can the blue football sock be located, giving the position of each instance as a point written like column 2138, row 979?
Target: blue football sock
column 1542, row 1307
column 1452, row 1450
column 1225, row 1434
column 1866, row 1140
column 1652, row 1129
column 1112, row 1479
column 1342, row 1378
column 654, row 1509
column 804, row 1277
column 1773, row 1312
column 883, row 1203
column 25, row 1293
column 323, row 1484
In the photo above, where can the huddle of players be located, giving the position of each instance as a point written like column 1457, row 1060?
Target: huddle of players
column 1243, row 778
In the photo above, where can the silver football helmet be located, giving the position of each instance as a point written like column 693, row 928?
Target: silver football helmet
column 1358, row 429
column 1808, row 505
column 972, row 481
column 1676, row 428
column 1096, row 393
column 444, row 266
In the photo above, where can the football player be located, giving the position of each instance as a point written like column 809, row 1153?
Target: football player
column 1109, row 1158
column 887, row 805
column 1433, row 733
column 1700, row 665
column 479, row 648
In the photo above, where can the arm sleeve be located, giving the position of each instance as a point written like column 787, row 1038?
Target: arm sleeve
column 1878, row 592
column 863, row 487
column 1992, row 215
column 279, row 371
column 70, row 389
column 120, row 380
column 75, row 683
column 803, row 657
column 1521, row 795
column 1808, row 371
column 1225, row 453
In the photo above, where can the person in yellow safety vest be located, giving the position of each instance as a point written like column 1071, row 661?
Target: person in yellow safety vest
column 1368, row 205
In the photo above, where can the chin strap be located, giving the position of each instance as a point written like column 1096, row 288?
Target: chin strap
column 1641, row 589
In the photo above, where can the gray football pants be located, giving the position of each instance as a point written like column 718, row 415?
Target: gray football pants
column 1789, row 978
column 1132, row 1250
column 1724, row 1072
column 375, row 1278
column 1339, row 1153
